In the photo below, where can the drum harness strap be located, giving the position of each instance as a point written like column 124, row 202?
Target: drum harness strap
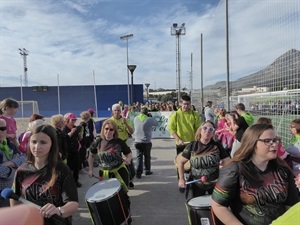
column 116, row 174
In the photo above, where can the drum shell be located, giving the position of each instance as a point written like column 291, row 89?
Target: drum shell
column 112, row 209
column 200, row 212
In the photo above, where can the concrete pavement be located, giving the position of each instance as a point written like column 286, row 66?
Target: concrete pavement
column 155, row 198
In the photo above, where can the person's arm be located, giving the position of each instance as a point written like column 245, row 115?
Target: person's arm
column 180, row 164
column 91, row 160
column 128, row 158
column 129, row 128
column 68, row 209
column 173, row 129
column 224, row 214
column 92, row 151
column 126, row 151
column 179, row 141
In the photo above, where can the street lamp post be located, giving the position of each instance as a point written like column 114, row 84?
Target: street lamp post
column 177, row 31
column 147, row 89
column 131, row 68
column 126, row 37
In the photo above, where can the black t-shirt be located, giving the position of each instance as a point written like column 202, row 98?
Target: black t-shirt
column 205, row 160
column 255, row 197
column 32, row 184
column 242, row 124
column 110, row 156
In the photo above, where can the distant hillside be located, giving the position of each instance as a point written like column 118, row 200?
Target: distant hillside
column 285, row 71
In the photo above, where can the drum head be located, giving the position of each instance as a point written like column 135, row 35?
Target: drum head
column 102, row 190
column 200, row 202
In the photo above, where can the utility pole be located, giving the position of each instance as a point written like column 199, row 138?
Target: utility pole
column 24, row 54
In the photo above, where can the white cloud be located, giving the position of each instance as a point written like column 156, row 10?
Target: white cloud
column 75, row 38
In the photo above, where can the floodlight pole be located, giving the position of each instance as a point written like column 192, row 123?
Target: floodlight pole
column 126, row 37
column 24, row 54
column 178, row 31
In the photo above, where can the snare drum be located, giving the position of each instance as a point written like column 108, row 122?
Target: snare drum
column 200, row 212
column 107, row 203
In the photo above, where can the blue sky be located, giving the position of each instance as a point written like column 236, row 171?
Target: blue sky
column 69, row 40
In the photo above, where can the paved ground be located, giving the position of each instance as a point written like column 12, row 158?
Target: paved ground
column 155, row 199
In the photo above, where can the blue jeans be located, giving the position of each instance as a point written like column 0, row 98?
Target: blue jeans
column 143, row 150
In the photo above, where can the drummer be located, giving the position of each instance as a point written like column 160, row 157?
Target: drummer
column 109, row 149
column 205, row 157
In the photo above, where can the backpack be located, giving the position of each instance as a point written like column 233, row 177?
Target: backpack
column 248, row 118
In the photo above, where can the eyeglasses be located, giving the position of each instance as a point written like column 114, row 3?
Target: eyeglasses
column 211, row 129
column 270, row 141
column 2, row 128
column 110, row 129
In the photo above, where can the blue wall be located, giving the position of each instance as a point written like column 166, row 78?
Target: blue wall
column 73, row 98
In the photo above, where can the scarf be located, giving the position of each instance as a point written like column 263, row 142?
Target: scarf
column 5, row 149
column 142, row 117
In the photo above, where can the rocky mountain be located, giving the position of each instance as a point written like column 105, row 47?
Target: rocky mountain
column 284, row 72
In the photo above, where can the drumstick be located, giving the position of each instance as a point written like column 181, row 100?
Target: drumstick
column 99, row 178
column 202, row 179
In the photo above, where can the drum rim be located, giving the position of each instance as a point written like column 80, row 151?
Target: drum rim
column 200, row 206
column 107, row 197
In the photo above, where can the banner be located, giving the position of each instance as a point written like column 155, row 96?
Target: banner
column 161, row 130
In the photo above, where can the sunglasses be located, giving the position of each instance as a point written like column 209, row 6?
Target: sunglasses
column 2, row 128
column 110, row 129
column 211, row 129
column 270, row 141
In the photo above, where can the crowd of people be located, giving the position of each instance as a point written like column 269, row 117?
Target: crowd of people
column 242, row 165
column 239, row 162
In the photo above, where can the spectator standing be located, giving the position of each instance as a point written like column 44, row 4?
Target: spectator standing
column 57, row 121
column 238, row 127
column 24, row 143
column 124, row 125
column 32, row 118
column 257, row 185
column 183, row 124
column 75, row 135
column 10, row 159
column 209, row 112
column 143, row 124
column 293, row 147
column 8, row 109
column 241, row 109
column 45, row 181
column 125, row 130
column 86, row 141
column 91, row 124
column 205, row 156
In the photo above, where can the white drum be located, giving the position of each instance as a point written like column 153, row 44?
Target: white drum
column 199, row 211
